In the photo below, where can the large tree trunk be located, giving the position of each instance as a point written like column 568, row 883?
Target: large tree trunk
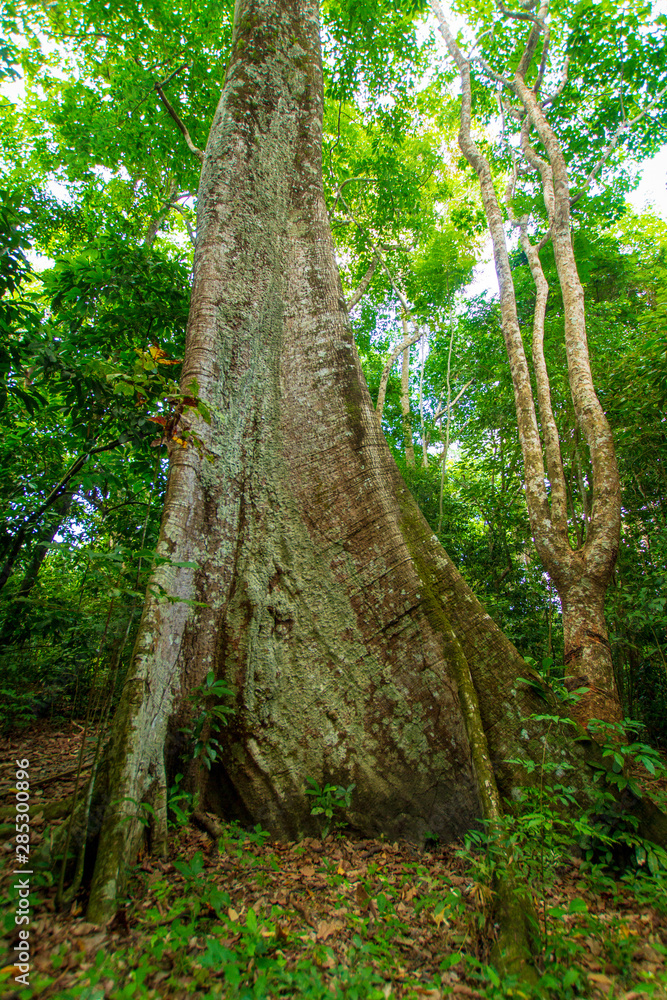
column 320, row 593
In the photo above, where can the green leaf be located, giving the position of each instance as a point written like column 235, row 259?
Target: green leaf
column 571, row 977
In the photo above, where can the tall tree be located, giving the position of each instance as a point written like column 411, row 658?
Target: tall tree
column 297, row 566
column 581, row 569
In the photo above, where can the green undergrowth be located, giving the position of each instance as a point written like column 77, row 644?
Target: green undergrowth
column 258, row 920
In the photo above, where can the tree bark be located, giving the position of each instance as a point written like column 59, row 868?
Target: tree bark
column 320, row 593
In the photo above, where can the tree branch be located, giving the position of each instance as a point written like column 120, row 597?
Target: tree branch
column 407, row 341
column 186, row 135
column 386, row 371
column 374, row 247
column 181, row 210
column 55, row 493
column 542, row 167
column 363, row 284
column 171, row 76
column 441, row 412
column 561, row 86
column 549, row 428
column 516, row 15
column 543, row 60
column 351, row 180
column 502, row 80
column 539, row 28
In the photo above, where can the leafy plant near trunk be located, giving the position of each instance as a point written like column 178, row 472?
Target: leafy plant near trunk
column 263, row 920
column 546, row 825
column 329, row 802
column 180, row 804
column 213, row 714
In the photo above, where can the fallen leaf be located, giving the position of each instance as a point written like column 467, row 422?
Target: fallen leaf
column 649, row 953
column 326, row 928
column 94, row 941
column 79, row 930
column 362, row 897
column 594, row 946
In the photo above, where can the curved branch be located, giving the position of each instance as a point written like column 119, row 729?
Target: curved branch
column 351, row 180
column 517, row 15
column 543, row 60
column 182, row 212
column 538, row 28
column 561, row 86
column 186, row 135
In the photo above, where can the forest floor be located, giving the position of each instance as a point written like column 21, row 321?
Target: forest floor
column 339, row 917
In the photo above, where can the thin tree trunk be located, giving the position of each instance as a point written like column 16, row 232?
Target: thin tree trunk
column 424, row 435
column 579, row 575
column 30, row 523
column 405, row 402
column 448, row 423
column 404, row 345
